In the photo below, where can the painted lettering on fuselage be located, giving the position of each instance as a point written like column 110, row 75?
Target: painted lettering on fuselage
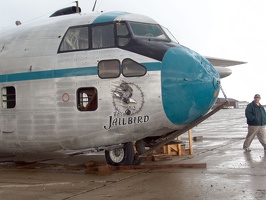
column 123, row 121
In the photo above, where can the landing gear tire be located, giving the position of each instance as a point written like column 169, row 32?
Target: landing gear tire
column 120, row 156
column 140, row 148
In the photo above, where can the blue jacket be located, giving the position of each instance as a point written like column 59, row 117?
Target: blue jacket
column 255, row 114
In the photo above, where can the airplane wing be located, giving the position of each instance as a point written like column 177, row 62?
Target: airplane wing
column 220, row 64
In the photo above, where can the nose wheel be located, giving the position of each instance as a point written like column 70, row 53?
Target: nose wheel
column 120, row 156
column 126, row 155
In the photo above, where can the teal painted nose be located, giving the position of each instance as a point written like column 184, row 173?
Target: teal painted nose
column 190, row 85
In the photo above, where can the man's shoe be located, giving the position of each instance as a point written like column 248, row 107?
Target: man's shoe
column 248, row 150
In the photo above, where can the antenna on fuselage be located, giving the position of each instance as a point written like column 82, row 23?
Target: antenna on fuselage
column 77, row 6
column 94, row 5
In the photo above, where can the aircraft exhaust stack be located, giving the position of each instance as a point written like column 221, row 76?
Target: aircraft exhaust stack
column 66, row 11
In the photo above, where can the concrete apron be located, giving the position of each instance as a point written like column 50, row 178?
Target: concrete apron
column 230, row 173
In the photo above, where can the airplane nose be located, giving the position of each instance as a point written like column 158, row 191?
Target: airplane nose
column 190, row 85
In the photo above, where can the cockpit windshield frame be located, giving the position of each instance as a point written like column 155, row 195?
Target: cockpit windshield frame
column 169, row 34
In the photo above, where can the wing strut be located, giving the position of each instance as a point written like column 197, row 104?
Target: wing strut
column 174, row 134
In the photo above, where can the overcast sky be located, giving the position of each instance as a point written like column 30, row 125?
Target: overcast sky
column 228, row 29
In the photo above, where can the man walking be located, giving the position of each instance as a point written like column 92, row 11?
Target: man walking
column 256, row 120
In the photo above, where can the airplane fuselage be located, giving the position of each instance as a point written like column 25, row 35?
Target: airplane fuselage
column 94, row 80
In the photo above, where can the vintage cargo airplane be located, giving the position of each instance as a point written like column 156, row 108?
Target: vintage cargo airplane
column 109, row 81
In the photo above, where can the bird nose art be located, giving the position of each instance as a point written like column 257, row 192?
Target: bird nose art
column 190, row 85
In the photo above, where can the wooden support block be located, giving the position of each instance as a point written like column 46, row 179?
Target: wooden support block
column 198, row 138
column 190, row 141
column 108, row 168
column 160, row 150
column 161, row 157
column 176, row 147
column 179, row 150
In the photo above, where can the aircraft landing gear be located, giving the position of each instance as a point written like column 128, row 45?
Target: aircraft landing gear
column 121, row 156
column 140, row 149
column 126, row 155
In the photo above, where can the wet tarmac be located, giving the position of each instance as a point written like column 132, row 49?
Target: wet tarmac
column 230, row 173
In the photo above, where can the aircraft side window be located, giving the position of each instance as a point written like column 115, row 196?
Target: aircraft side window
column 87, row 99
column 103, row 36
column 122, row 32
column 8, row 97
column 131, row 68
column 76, row 38
column 109, row 68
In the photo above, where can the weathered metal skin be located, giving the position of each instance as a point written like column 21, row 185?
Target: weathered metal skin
column 178, row 87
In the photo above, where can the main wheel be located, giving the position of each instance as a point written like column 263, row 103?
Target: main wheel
column 140, row 148
column 120, row 156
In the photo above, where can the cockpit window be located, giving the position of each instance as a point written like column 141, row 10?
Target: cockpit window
column 122, row 32
column 152, row 31
column 122, row 29
column 103, row 36
column 76, row 38
column 131, row 68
